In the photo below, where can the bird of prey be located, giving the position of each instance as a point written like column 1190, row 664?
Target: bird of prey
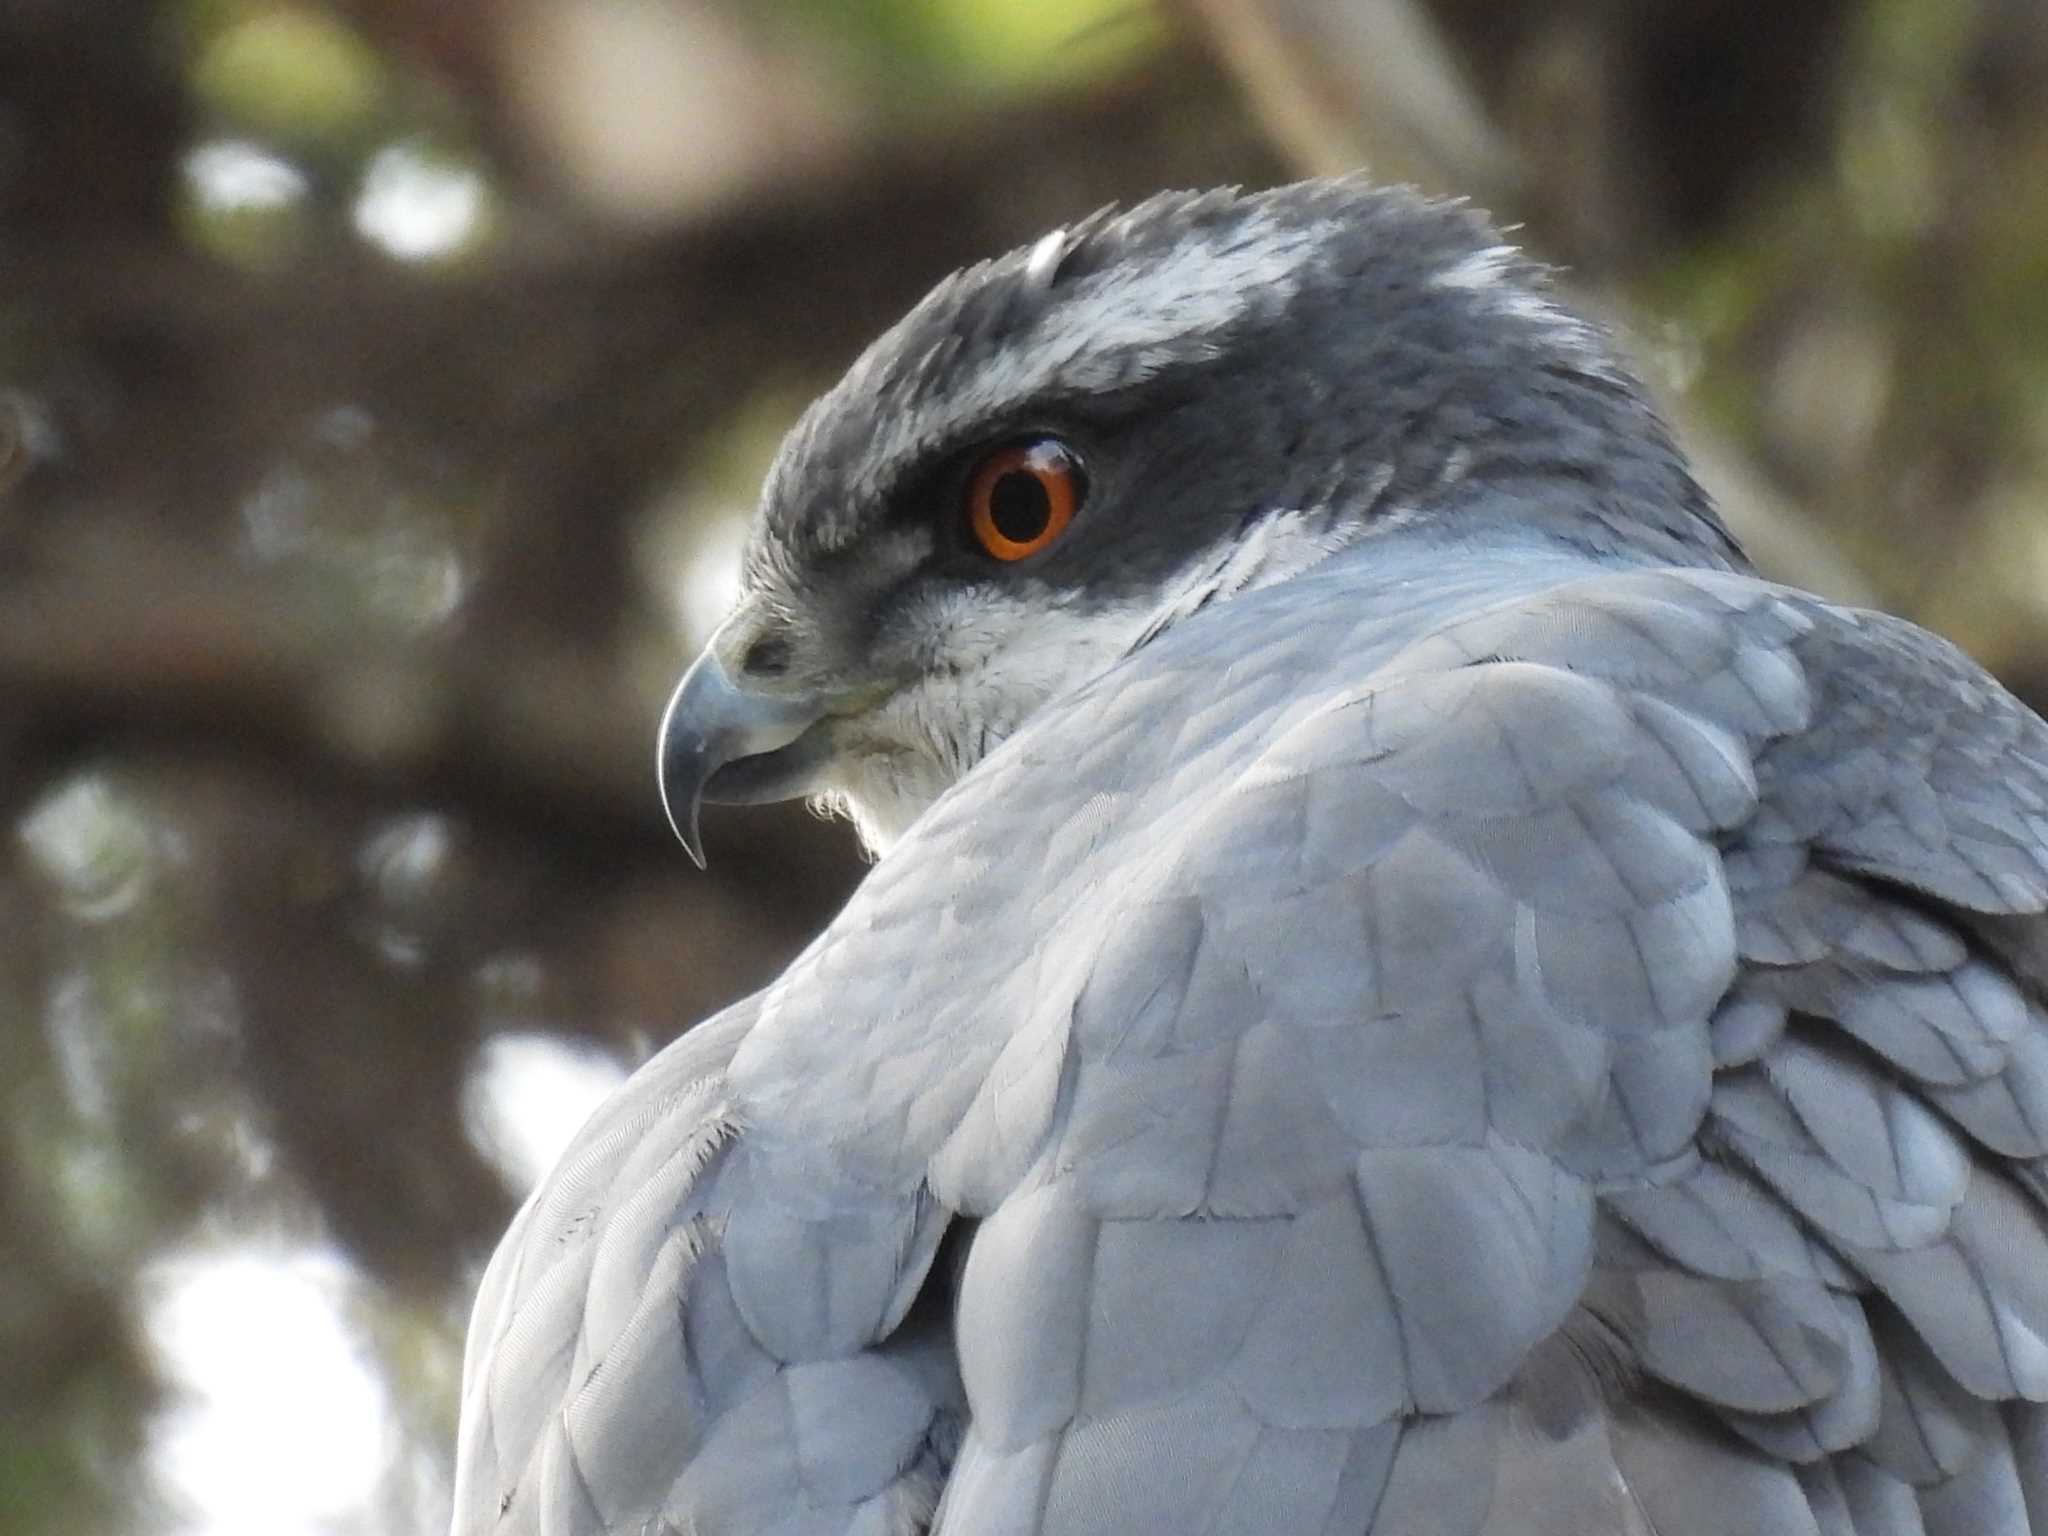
column 1405, row 988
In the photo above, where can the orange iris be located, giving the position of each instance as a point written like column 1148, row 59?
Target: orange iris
column 1022, row 497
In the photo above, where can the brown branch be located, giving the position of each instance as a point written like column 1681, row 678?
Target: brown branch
column 151, row 647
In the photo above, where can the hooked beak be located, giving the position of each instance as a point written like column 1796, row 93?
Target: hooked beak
column 713, row 724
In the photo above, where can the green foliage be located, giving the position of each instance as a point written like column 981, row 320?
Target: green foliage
column 968, row 47
column 294, row 75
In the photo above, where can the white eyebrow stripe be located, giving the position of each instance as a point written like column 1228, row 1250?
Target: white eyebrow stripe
column 1125, row 324
column 1149, row 311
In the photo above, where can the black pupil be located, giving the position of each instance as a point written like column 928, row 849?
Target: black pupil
column 1019, row 506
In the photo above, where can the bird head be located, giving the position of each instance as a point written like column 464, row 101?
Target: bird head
column 1062, row 452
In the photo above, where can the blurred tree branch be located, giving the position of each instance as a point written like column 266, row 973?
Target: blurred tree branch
column 572, row 378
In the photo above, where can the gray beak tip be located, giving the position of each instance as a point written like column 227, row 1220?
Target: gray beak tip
column 685, row 829
column 687, row 834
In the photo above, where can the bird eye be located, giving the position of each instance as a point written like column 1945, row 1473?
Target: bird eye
column 1022, row 497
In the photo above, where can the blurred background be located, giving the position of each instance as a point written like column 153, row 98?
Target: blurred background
column 383, row 387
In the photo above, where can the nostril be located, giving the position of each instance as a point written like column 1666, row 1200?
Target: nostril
column 766, row 657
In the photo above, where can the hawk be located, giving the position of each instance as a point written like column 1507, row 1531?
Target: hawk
column 1405, row 988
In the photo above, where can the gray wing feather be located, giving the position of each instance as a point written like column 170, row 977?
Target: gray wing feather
column 580, row 1262
column 1622, row 810
column 1582, row 1070
column 1984, row 1499
column 1345, row 1067
column 614, row 1379
column 1431, row 1488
